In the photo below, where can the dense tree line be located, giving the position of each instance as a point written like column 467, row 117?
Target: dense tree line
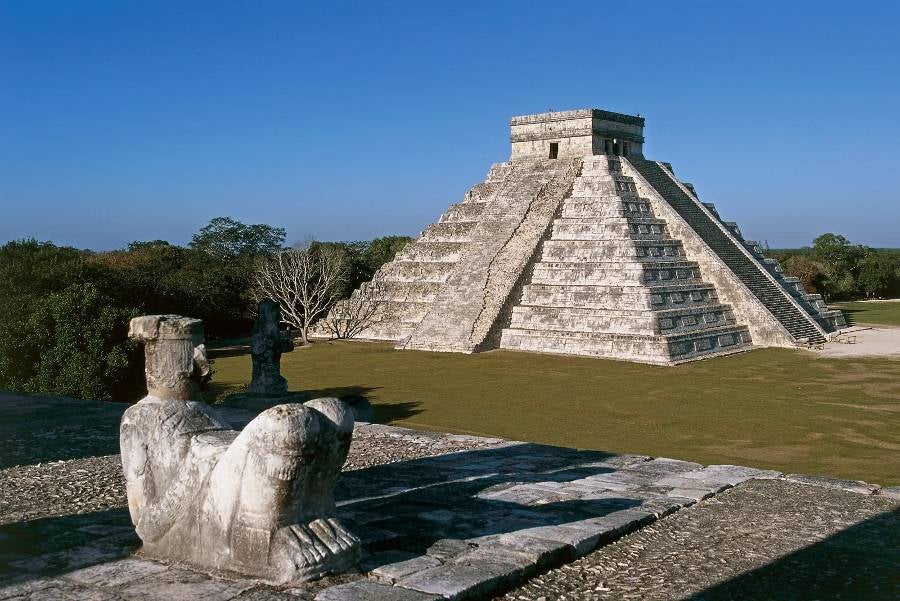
column 64, row 312
column 841, row 270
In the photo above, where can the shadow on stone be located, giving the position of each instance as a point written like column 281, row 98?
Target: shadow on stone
column 58, row 545
column 470, row 494
column 38, row 429
column 861, row 562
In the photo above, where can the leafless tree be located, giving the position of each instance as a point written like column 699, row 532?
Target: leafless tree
column 350, row 317
column 306, row 282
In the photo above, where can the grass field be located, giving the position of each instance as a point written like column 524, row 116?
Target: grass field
column 887, row 313
column 772, row 408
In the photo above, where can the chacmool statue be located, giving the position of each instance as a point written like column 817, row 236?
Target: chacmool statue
column 259, row 502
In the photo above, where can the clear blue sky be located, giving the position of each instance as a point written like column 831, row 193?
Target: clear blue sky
column 140, row 120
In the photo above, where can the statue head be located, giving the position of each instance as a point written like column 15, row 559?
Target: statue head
column 170, row 342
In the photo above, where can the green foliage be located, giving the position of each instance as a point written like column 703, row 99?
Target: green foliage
column 225, row 238
column 29, row 267
column 163, row 278
column 841, row 270
column 364, row 258
column 368, row 257
column 72, row 342
column 811, row 276
column 878, row 272
column 64, row 312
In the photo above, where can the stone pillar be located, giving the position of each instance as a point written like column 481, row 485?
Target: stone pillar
column 267, row 343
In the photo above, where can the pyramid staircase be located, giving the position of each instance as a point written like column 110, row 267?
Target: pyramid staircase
column 804, row 316
column 405, row 287
column 611, row 282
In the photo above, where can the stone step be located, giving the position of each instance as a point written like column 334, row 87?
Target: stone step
column 446, row 231
column 670, row 296
column 662, row 349
column 636, row 297
column 592, row 186
column 400, row 291
column 691, row 319
column 567, row 228
column 573, row 319
column 733, row 228
column 832, row 319
column 615, row 272
column 415, row 271
column 464, row 212
column 607, row 250
column 600, row 209
column 600, row 165
column 408, row 312
column 391, row 320
column 438, row 252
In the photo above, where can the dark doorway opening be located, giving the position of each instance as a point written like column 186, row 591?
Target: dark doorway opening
column 554, row 150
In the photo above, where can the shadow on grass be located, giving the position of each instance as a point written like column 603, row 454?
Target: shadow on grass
column 358, row 397
column 861, row 562
column 235, row 351
column 849, row 315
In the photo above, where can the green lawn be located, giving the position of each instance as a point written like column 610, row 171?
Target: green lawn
column 876, row 313
column 772, row 408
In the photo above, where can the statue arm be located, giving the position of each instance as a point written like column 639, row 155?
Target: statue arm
column 155, row 510
column 143, row 504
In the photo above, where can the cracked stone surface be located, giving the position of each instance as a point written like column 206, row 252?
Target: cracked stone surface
column 765, row 539
column 444, row 516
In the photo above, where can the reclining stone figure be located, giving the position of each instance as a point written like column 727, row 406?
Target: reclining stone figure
column 259, row 502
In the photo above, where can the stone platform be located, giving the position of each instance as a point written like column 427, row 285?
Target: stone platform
column 441, row 516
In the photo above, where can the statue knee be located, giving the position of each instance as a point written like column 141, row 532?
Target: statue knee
column 283, row 429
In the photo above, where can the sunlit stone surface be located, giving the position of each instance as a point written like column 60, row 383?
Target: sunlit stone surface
column 260, row 501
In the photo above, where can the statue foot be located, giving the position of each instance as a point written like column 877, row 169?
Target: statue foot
column 302, row 552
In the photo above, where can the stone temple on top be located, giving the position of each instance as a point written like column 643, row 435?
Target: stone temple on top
column 579, row 245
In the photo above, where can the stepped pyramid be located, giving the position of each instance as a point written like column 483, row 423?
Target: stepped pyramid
column 578, row 245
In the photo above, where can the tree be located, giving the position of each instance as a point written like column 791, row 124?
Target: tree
column 72, row 342
column 811, row 276
column 306, row 282
column 226, row 238
column 381, row 250
column 878, row 273
column 841, row 261
column 351, row 316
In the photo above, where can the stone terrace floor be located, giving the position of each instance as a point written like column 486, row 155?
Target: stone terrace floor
column 446, row 516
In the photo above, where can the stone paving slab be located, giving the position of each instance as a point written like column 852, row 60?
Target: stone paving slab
column 456, row 526
column 445, row 517
column 766, row 539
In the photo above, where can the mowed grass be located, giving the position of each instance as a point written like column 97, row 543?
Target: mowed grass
column 887, row 313
column 769, row 408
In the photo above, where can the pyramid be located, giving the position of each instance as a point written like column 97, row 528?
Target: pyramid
column 578, row 245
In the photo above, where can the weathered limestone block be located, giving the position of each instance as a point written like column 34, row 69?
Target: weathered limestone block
column 267, row 343
column 259, row 502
